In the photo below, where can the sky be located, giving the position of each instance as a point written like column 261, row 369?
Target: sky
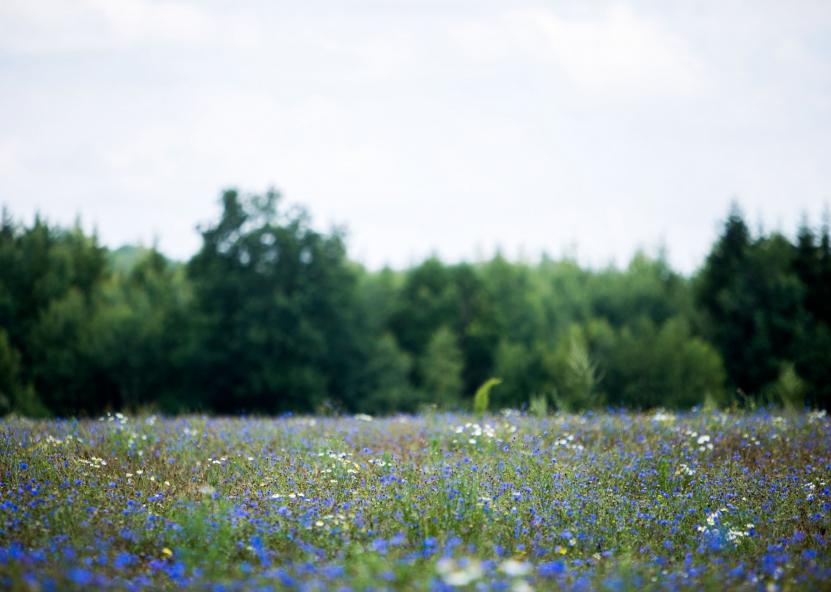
column 423, row 127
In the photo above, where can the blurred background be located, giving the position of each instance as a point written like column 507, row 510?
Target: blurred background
column 614, row 204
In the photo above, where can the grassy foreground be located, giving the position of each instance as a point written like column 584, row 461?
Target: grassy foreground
column 509, row 502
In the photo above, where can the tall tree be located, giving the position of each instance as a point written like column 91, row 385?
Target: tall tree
column 812, row 348
column 50, row 281
column 752, row 301
column 273, row 301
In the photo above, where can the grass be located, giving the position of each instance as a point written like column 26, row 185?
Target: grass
column 511, row 502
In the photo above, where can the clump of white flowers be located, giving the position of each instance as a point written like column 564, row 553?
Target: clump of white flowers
column 752, row 440
column 290, row 496
column 517, row 570
column 703, row 441
column 714, row 521
column 684, row 469
column 339, row 460
column 118, row 418
column 94, row 462
column 513, row 568
column 662, row 416
column 817, row 416
column 567, row 441
column 51, row 440
column 474, row 431
column 332, row 520
column 734, row 534
column 458, row 573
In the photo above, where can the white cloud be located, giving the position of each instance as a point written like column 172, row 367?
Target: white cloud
column 9, row 159
column 617, row 52
column 444, row 127
column 134, row 21
column 52, row 26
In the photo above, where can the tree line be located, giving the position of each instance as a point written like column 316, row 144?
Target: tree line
column 271, row 316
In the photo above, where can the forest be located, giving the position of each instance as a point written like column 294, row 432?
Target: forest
column 271, row 316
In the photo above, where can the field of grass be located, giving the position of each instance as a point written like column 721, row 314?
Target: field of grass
column 506, row 502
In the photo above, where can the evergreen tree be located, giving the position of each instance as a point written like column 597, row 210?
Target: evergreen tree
column 729, row 298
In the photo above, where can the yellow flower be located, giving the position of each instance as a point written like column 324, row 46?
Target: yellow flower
column 166, row 553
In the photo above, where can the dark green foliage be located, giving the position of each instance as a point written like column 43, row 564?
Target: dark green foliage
column 16, row 397
column 50, row 282
column 270, row 316
column 812, row 337
column 765, row 304
column 662, row 365
column 441, row 369
column 143, row 324
column 273, row 311
column 386, row 379
column 648, row 288
column 434, row 296
column 522, row 373
column 750, row 298
column 575, row 373
column 481, row 398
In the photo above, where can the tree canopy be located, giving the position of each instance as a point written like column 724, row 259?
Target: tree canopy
column 271, row 316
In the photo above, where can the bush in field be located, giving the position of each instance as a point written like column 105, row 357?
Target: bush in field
column 481, row 399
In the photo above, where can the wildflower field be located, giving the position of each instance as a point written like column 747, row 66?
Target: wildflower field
column 505, row 502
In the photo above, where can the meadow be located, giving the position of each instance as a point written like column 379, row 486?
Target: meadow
column 606, row 501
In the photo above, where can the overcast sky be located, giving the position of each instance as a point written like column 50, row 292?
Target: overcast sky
column 424, row 126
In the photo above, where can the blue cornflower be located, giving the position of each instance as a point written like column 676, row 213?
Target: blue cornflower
column 551, row 569
column 736, row 572
column 333, row 571
column 380, row 545
column 284, row 578
column 176, row 571
column 80, row 576
column 123, row 559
